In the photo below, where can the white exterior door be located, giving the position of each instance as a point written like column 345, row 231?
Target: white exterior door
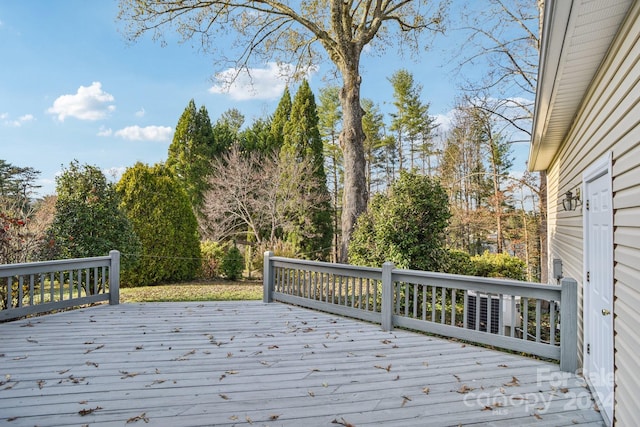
column 598, row 285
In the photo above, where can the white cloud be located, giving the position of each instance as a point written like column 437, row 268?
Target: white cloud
column 103, row 131
column 148, row 133
column 115, row 173
column 444, row 122
column 18, row 122
column 140, row 112
column 88, row 103
column 256, row 83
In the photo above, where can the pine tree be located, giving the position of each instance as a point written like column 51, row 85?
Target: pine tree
column 191, row 151
column 280, row 119
column 302, row 141
column 158, row 207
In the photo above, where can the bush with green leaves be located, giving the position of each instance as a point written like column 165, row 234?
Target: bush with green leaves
column 233, row 263
column 405, row 226
column 500, row 265
column 162, row 218
column 88, row 221
column 212, row 256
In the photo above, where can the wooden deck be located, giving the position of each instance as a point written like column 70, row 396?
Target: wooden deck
column 249, row 363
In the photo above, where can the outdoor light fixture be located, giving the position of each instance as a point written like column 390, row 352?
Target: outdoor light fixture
column 571, row 202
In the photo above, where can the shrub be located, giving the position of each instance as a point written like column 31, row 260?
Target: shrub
column 212, row 255
column 499, row 265
column 233, row 263
column 459, row 262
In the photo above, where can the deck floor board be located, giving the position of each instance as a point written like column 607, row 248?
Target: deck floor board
column 249, row 363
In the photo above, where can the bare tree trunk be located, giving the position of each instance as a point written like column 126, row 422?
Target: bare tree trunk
column 544, row 256
column 355, row 197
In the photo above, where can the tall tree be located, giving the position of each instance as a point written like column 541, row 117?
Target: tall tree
column 88, row 221
column 191, row 151
column 162, row 218
column 280, row 119
column 373, row 125
column 302, row 142
column 330, row 117
column 503, row 37
column 290, row 32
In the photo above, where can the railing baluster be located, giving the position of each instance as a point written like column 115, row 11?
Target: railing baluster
column 538, row 319
column 453, row 307
column 525, row 319
column 32, row 289
column 552, row 322
column 443, row 306
column 489, row 312
column 20, row 290
column 434, row 291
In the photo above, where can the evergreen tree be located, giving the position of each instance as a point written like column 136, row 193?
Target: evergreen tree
column 162, row 218
column 302, row 142
column 405, row 226
column 88, row 221
column 329, row 120
column 280, row 119
column 191, row 151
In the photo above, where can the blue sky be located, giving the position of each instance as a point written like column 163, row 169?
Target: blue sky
column 71, row 87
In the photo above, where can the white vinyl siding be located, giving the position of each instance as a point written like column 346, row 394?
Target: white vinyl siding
column 608, row 121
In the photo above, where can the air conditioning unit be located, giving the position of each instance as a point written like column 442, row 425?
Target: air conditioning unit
column 477, row 301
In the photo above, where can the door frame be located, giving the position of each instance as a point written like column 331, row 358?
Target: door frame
column 602, row 166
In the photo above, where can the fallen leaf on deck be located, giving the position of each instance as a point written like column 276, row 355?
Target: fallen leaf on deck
column 387, row 368
column 32, row 340
column 175, row 330
column 274, row 417
column 425, row 363
column 232, row 372
column 229, row 355
column 514, row 382
column 425, row 390
column 456, row 377
column 128, row 374
column 20, row 357
column 41, row 384
column 564, row 390
column 312, row 394
column 249, row 420
column 155, row 382
column 233, row 417
column 83, row 402
column 487, row 408
column 342, row 422
column 381, row 355
column 94, row 349
column 397, row 378
column 224, row 396
column 537, row 416
column 502, row 366
column 12, row 419
column 141, row 417
column 140, row 347
column 91, row 364
column 405, row 399
column 185, row 356
column 223, row 376
column 271, row 347
column 465, row 389
column 84, row 412
column 386, row 341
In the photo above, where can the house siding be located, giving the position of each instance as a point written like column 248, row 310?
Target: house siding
column 608, row 122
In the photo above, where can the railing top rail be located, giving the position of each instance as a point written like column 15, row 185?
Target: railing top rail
column 487, row 284
column 322, row 264
column 7, row 270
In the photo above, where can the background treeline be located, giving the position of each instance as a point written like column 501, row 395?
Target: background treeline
column 441, row 199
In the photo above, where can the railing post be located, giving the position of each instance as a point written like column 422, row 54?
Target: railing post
column 114, row 278
column 387, row 296
column 569, row 325
column 267, row 278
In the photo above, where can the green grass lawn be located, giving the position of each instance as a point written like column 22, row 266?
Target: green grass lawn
column 194, row 291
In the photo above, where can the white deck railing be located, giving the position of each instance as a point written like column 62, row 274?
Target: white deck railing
column 40, row 287
column 526, row 317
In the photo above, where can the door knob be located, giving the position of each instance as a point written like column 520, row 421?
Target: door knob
column 605, row 312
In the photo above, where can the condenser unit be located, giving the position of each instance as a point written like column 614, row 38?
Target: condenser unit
column 477, row 301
